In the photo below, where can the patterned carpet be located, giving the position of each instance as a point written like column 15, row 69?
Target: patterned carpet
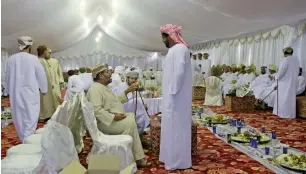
column 214, row 156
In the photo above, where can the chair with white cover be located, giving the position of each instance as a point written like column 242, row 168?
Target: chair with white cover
column 76, row 121
column 60, row 116
column 23, row 164
column 107, row 144
column 58, row 147
column 213, row 95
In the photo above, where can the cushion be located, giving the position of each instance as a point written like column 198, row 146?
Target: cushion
column 25, row 164
column 24, row 149
column 33, row 139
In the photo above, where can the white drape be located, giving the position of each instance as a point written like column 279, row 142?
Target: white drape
column 261, row 49
column 299, row 50
column 155, row 61
column 4, row 57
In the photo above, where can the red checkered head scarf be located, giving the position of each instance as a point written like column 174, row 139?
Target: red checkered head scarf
column 174, row 31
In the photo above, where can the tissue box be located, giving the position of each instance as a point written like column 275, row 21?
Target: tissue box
column 99, row 164
column 240, row 104
column 301, row 106
column 198, row 93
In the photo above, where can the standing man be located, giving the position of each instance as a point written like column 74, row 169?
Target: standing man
column 287, row 76
column 175, row 143
column 24, row 78
column 52, row 99
column 206, row 65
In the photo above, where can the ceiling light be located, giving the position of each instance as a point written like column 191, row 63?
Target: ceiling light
column 100, row 19
column 100, row 34
column 97, row 39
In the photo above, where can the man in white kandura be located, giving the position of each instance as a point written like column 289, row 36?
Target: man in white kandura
column 142, row 118
column 175, row 142
column 86, row 77
column 24, row 78
column 287, row 76
column 74, row 86
column 206, row 65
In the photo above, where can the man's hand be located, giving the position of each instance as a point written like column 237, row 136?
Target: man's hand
column 132, row 88
column 119, row 117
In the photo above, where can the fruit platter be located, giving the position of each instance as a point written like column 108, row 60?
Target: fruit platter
column 245, row 137
column 292, row 161
column 6, row 115
column 195, row 108
column 217, row 119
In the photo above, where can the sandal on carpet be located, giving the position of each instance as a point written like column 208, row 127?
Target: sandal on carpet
column 142, row 163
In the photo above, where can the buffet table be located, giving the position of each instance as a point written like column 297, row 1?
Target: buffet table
column 257, row 153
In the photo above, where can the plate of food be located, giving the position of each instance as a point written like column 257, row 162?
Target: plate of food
column 245, row 137
column 217, row 119
column 296, row 162
column 6, row 115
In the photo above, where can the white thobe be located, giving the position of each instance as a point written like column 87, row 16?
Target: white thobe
column 246, row 79
column 142, row 118
column 285, row 103
column 301, row 85
column 116, row 80
column 206, row 67
column 175, row 142
column 24, row 77
column 87, row 80
column 260, row 83
column 75, row 85
column 195, row 67
column 227, row 83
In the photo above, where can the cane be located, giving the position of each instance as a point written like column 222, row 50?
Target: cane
column 277, row 98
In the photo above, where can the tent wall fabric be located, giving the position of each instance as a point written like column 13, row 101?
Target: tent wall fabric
column 62, row 23
column 261, row 49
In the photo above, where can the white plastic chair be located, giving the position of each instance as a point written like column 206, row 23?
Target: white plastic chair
column 213, row 94
column 107, row 144
column 58, row 147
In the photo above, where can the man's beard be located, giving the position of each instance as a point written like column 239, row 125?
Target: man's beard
column 167, row 45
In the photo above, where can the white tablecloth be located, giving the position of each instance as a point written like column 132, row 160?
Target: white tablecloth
column 154, row 105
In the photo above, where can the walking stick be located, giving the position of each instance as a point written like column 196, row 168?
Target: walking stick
column 277, row 98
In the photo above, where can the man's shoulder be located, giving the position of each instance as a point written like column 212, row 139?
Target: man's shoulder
column 181, row 47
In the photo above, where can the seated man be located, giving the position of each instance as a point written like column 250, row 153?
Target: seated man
column 75, row 85
column 142, row 117
column 263, row 91
column 246, row 78
column 227, row 82
column 301, row 84
column 110, row 113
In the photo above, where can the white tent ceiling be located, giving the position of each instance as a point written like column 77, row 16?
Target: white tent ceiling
column 62, row 23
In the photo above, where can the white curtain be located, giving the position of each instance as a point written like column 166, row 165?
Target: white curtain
column 261, row 49
column 4, row 57
column 299, row 47
column 155, row 61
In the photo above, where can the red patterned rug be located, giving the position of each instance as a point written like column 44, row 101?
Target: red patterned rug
column 214, row 156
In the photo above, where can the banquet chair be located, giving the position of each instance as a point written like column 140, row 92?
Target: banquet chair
column 58, row 148
column 76, row 121
column 23, row 164
column 60, row 116
column 213, row 95
column 32, row 143
column 107, row 144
